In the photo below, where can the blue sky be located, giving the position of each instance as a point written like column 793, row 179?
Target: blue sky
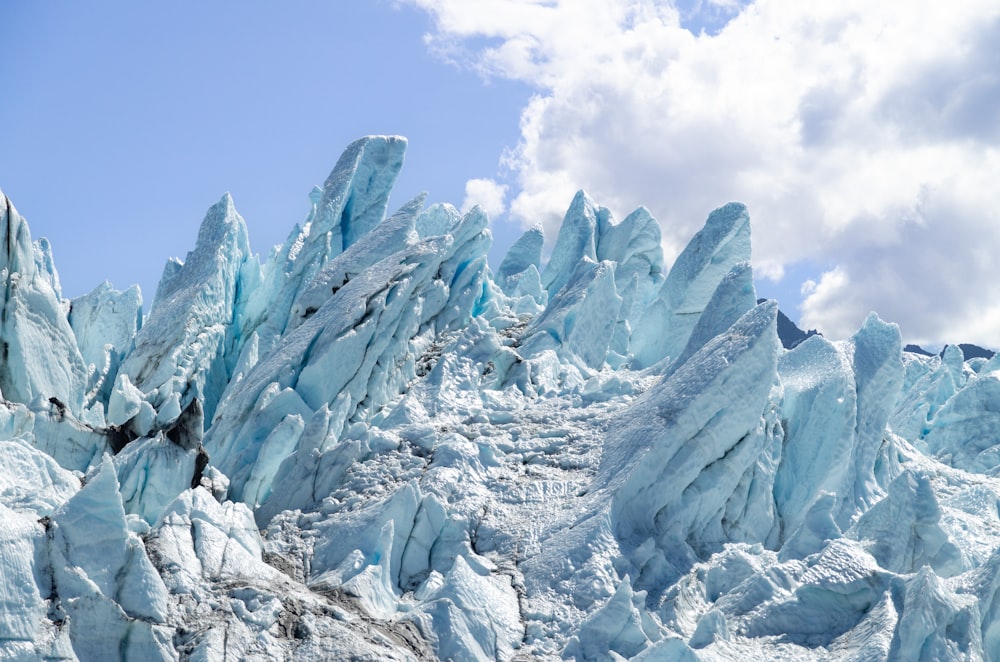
column 123, row 122
column 864, row 138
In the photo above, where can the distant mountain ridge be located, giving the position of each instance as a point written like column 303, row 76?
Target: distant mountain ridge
column 788, row 332
column 791, row 336
column 969, row 351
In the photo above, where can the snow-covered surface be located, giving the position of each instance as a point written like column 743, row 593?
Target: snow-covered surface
column 369, row 446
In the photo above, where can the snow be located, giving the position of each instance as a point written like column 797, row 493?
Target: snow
column 368, row 445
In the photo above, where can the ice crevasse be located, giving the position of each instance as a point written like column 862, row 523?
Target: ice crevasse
column 369, row 444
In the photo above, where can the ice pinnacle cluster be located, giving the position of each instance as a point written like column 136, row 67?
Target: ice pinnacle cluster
column 371, row 445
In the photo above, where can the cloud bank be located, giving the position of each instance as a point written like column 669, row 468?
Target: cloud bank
column 863, row 136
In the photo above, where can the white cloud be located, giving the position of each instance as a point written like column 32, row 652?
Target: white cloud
column 486, row 193
column 833, row 293
column 862, row 135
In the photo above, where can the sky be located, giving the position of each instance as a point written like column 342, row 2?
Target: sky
column 863, row 137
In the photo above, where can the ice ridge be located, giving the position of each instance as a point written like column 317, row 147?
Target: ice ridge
column 371, row 445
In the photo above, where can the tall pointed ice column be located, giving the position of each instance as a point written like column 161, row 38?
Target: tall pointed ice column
column 185, row 348
column 353, row 200
column 525, row 253
column 734, row 296
column 666, row 327
column 633, row 245
column 38, row 352
column 837, row 401
column 105, row 322
column 680, row 460
column 353, row 352
column 577, row 241
column 876, row 354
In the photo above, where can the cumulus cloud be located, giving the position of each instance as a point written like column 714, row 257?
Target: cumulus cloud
column 486, row 193
column 832, row 298
column 862, row 135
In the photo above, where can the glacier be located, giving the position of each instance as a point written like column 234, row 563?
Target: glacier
column 369, row 444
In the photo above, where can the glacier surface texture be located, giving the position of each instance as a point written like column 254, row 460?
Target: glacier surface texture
column 371, row 445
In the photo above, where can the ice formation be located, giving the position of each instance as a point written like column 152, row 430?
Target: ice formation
column 369, row 445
